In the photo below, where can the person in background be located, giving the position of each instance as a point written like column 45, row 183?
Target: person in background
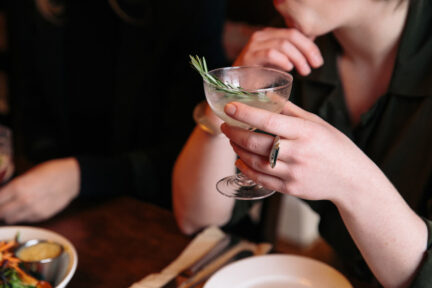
column 101, row 94
column 359, row 150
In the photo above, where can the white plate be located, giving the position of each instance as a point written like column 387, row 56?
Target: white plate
column 278, row 271
column 28, row 233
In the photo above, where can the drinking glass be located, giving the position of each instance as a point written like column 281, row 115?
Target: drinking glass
column 6, row 160
column 269, row 89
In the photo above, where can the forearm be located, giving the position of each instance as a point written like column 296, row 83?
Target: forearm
column 390, row 236
column 204, row 160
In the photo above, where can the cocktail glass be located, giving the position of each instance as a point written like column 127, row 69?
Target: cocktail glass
column 6, row 160
column 267, row 89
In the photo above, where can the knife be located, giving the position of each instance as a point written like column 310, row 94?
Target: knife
column 218, row 249
column 240, row 255
column 222, row 245
column 227, row 257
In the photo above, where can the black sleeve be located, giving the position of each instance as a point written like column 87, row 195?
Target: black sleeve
column 135, row 174
column 103, row 176
column 423, row 277
column 119, row 97
column 146, row 173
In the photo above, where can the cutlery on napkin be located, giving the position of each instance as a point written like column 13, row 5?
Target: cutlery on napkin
column 240, row 250
column 225, row 243
column 201, row 245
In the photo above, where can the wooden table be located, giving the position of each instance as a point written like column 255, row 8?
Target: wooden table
column 119, row 241
column 122, row 240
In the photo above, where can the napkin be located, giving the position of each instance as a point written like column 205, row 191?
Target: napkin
column 199, row 246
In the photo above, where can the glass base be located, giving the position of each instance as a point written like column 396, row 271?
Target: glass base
column 240, row 187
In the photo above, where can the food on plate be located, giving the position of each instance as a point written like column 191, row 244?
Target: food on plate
column 40, row 250
column 11, row 274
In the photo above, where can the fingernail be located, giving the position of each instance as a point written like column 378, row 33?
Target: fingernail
column 289, row 67
column 305, row 69
column 223, row 127
column 317, row 60
column 230, row 109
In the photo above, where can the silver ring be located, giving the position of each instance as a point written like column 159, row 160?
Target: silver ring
column 274, row 152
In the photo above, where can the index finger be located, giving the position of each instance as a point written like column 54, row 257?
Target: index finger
column 303, row 43
column 286, row 126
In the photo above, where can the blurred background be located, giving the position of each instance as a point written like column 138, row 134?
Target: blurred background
column 70, row 69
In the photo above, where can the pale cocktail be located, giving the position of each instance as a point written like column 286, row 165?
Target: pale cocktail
column 265, row 88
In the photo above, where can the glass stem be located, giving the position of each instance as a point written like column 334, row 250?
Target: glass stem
column 244, row 181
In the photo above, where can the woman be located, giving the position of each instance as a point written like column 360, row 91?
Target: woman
column 361, row 149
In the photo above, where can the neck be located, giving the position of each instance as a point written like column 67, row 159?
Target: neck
column 374, row 36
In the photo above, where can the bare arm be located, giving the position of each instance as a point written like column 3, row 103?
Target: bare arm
column 41, row 192
column 204, row 160
column 317, row 162
column 390, row 236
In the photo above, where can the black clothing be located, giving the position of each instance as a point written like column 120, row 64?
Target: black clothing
column 117, row 95
column 396, row 133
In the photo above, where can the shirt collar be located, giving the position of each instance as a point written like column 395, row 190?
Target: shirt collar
column 413, row 61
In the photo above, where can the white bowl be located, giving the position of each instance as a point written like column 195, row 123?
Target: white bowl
column 28, row 233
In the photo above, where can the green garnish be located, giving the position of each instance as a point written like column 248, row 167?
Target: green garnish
column 17, row 237
column 200, row 65
column 9, row 279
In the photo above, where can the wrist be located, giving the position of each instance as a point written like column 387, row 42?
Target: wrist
column 206, row 119
column 365, row 195
column 73, row 174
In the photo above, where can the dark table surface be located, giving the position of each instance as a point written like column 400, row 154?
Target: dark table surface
column 122, row 240
column 119, row 241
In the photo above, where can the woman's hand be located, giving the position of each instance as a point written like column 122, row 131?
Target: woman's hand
column 318, row 162
column 41, row 192
column 282, row 48
column 315, row 160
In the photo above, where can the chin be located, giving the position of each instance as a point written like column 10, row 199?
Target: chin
column 308, row 30
column 304, row 29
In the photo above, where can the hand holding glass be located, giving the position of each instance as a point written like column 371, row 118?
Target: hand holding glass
column 267, row 89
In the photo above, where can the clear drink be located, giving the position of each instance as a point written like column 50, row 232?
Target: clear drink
column 268, row 101
column 265, row 88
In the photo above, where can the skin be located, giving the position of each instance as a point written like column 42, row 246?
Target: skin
column 316, row 161
column 41, row 192
column 196, row 167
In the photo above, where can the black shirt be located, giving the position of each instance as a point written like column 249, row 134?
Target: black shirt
column 396, row 133
column 116, row 94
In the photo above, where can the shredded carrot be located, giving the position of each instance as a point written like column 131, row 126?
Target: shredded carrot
column 8, row 259
column 7, row 246
column 26, row 279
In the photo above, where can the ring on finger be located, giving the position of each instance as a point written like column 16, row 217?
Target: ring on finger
column 274, row 151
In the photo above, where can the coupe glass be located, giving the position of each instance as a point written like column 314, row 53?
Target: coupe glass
column 270, row 90
column 6, row 160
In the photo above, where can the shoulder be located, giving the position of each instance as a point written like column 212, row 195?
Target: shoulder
column 413, row 67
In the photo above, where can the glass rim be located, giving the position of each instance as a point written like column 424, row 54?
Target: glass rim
column 285, row 74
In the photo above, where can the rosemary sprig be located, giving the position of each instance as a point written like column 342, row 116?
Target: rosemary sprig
column 200, row 65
